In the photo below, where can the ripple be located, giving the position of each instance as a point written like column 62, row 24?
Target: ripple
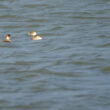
column 35, row 5
column 106, row 69
column 3, row 7
column 104, row 45
column 3, row 101
column 10, row 16
column 84, row 17
column 56, row 28
column 11, row 27
column 38, row 20
column 25, row 63
column 102, row 36
column 83, row 63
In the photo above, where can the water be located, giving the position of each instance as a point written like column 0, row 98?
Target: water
column 69, row 69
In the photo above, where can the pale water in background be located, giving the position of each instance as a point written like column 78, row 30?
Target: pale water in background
column 69, row 69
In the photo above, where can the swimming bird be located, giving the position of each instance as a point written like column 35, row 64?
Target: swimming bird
column 35, row 36
column 7, row 38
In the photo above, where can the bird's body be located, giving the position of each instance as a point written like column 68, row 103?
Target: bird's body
column 36, row 37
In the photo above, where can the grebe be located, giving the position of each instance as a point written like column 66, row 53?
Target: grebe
column 35, row 36
column 7, row 38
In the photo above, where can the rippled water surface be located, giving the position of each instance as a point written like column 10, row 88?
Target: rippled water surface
column 69, row 69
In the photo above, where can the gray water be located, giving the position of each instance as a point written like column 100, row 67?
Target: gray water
column 69, row 69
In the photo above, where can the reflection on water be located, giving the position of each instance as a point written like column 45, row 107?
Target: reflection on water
column 69, row 68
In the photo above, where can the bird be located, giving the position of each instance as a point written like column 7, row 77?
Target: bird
column 7, row 38
column 35, row 36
